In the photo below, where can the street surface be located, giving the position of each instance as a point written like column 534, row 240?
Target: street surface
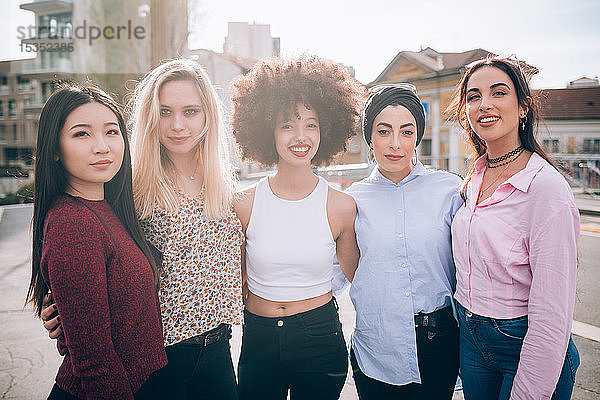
column 29, row 360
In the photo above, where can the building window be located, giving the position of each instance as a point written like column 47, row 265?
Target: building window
column 591, row 146
column 12, row 108
column 47, row 90
column 1, row 109
column 53, row 26
column 2, row 133
column 14, row 132
column 23, row 84
column 426, row 147
column 551, row 145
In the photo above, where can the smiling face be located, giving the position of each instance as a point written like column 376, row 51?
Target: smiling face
column 492, row 107
column 394, row 137
column 297, row 137
column 182, row 123
column 91, row 149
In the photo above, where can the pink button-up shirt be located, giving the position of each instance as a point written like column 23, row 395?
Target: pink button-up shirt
column 516, row 255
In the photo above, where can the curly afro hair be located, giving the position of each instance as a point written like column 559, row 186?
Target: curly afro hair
column 274, row 87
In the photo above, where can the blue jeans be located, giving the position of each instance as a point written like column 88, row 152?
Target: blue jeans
column 489, row 356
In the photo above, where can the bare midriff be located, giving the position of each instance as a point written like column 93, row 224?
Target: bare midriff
column 267, row 308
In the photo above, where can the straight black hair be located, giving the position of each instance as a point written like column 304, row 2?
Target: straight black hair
column 51, row 178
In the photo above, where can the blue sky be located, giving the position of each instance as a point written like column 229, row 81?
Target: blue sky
column 561, row 38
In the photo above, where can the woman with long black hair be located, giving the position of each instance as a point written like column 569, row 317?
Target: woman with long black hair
column 88, row 249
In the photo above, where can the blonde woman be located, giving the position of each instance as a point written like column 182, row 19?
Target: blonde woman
column 183, row 188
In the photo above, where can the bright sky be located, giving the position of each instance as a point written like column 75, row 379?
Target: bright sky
column 11, row 18
column 561, row 38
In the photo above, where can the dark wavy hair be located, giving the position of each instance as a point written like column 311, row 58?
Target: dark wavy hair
column 527, row 101
column 274, row 87
column 51, row 178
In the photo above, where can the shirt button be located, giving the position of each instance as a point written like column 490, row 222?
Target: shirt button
column 400, row 235
column 404, row 265
column 280, row 323
column 407, row 294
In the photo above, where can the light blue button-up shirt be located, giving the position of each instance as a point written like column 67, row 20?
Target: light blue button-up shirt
column 405, row 267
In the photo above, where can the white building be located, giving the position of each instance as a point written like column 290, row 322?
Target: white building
column 250, row 41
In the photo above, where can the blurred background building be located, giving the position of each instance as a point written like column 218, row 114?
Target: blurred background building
column 572, row 114
column 113, row 64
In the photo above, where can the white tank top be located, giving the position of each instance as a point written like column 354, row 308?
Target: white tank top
column 289, row 246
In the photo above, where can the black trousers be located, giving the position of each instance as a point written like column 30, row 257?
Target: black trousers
column 198, row 372
column 437, row 352
column 304, row 353
column 144, row 393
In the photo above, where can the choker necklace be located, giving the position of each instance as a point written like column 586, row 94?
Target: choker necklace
column 507, row 158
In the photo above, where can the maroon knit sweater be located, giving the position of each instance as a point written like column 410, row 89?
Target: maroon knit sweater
column 102, row 285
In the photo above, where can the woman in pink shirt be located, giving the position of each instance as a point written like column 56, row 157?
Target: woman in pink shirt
column 514, row 245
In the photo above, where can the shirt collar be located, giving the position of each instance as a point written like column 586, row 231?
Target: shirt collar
column 522, row 179
column 377, row 177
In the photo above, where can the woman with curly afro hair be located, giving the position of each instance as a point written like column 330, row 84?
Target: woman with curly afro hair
column 295, row 115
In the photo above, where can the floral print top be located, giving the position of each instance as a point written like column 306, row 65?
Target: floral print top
column 200, row 281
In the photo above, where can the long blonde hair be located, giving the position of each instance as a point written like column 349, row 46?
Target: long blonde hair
column 153, row 171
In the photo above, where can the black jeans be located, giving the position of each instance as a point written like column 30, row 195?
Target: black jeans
column 305, row 353
column 144, row 393
column 437, row 352
column 196, row 371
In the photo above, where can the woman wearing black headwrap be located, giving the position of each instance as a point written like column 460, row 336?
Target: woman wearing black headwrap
column 405, row 343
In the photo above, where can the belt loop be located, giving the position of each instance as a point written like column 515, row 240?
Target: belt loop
column 335, row 303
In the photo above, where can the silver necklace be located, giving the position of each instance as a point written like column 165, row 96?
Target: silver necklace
column 192, row 176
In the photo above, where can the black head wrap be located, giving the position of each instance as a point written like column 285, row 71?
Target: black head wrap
column 392, row 96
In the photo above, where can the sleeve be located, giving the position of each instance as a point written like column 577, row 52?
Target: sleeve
column 456, row 202
column 553, row 260
column 76, row 260
column 339, row 282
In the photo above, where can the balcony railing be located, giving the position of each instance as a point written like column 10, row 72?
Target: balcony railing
column 55, row 64
column 580, row 170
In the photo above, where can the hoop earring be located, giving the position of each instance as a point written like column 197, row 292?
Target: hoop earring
column 371, row 156
column 414, row 158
